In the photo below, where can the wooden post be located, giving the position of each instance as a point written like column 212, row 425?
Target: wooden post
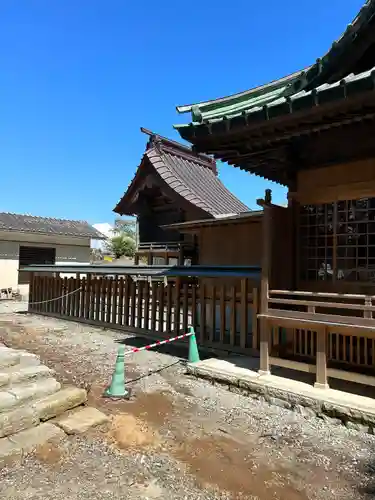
column 264, row 362
column 31, row 291
column 180, row 255
column 154, row 291
column 233, row 326
column 321, row 359
column 368, row 303
column 244, row 313
column 254, row 319
column 177, row 310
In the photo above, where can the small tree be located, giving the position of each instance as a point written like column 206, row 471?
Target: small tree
column 125, row 227
column 121, row 245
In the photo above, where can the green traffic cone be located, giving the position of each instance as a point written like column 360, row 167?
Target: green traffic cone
column 193, row 348
column 117, row 387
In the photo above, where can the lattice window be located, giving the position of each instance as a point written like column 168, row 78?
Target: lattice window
column 337, row 241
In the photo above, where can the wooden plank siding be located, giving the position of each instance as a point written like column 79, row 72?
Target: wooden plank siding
column 223, row 317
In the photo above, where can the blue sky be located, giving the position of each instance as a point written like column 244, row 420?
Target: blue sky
column 79, row 78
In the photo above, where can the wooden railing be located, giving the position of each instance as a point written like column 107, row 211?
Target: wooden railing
column 339, row 327
column 168, row 246
column 224, row 318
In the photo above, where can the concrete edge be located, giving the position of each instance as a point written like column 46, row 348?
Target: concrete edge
column 308, row 406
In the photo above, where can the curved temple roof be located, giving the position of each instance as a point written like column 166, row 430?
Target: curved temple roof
column 336, row 64
column 190, row 175
column 236, row 103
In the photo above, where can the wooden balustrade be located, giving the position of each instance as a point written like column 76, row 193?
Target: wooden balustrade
column 223, row 317
column 326, row 333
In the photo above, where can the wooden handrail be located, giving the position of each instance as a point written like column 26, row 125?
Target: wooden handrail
column 322, row 294
column 328, row 319
column 312, row 303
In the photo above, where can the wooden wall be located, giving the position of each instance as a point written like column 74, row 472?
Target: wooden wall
column 236, row 244
column 337, row 182
column 150, row 230
column 231, row 244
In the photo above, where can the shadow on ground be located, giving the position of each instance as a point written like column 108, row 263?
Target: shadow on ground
column 177, row 350
column 368, row 490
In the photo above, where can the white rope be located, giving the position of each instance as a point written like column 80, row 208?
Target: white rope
column 51, row 300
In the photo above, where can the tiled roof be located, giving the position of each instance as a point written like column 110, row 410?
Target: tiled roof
column 236, row 103
column 192, row 176
column 44, row 225
column 284, row 105
column 327, row 68
column 255, row 215
column 320, row 77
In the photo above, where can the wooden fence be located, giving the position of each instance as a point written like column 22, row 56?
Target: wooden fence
column 224, row 318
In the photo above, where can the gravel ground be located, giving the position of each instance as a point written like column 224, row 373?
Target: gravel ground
column 178, row 437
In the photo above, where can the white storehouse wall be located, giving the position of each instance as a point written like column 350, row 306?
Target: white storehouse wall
column 68, row 251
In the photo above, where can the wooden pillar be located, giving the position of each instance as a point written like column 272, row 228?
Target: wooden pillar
column 321, row 359
column 31, row 291
column 180, row 256
column 149, row 259
column 136, row 259
column 264, row 363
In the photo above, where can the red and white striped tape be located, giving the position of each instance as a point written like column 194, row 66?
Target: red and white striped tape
column 157, row 343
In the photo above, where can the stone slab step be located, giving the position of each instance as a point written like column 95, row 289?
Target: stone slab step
column 7, row 401
column 32, row 438
column 59, row 402
column 81, row 420
column 29, row 359
column 18, row 420
column 35, row 390
column 18, row 445
column 9, row 452
column 8, row 357
column 17, row 374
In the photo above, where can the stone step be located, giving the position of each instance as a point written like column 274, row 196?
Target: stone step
column 17, row 445
column 81, row 420
column 59, row 402
column 19, row 374
column 17, row 420
column 8, row 357
column 20, row 394
column 29, row 359
column 32, row 438
column 35, row 390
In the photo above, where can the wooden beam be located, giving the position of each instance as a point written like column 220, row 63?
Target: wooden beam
column 264, row 367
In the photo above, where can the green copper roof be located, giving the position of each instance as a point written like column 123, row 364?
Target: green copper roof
column 237, row 103
column 259, row 99
column 283, row 105
column 330, row 67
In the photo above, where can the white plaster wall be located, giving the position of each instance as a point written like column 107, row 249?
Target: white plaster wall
column 68, row 251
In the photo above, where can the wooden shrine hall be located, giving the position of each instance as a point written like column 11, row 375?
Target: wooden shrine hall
column 173, row 184
column 313, row 132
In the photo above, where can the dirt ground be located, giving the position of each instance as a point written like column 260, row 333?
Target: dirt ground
column 177, row 437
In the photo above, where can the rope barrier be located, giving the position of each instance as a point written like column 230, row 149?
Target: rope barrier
column 51, row 300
